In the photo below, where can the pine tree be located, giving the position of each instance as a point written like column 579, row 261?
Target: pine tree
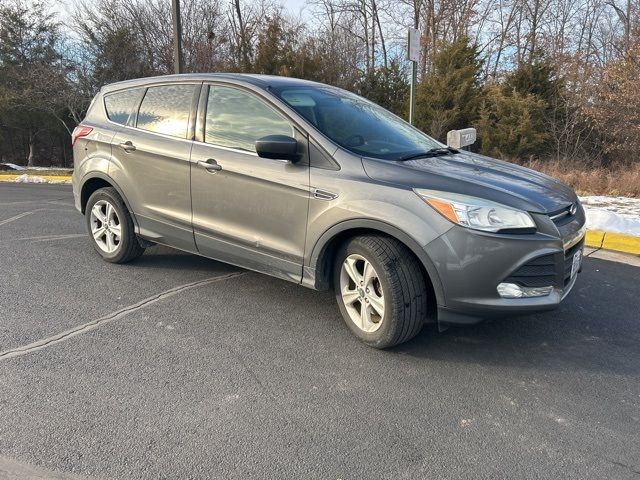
column 535, row 89
column 385, row 86
column 449, row 96
column 511, row 124
column 537, row 77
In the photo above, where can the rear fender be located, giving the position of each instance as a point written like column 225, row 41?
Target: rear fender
column 102, row 176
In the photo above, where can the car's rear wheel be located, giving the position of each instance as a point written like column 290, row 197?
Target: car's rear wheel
column 111, row 228
column 380, row 290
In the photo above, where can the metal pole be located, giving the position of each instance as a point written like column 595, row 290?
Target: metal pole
column 178, row 65
column 412, row 91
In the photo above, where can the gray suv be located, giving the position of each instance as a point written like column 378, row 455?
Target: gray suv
column 315, row 185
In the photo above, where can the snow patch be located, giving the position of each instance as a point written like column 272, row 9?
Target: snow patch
column 613, row 214
column 25, row 178
column 13, row 166
column 61, row 169
column 624, row 205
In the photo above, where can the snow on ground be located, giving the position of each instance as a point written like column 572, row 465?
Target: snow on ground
column 13, row 166
column 24, row 178
column 51, row 168
column 613, row 214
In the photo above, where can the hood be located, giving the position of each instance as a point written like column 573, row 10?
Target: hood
column 471, row 174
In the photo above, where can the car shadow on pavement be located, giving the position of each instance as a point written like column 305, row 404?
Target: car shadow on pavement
column 166, row 258
column 594, row 329
column 589, row 331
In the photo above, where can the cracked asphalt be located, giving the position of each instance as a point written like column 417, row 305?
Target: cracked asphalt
column 253, row 377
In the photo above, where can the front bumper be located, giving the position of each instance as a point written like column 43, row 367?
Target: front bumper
column 471, row 264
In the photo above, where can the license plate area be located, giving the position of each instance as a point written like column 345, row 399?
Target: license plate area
column 576, row 262
column 572, row 262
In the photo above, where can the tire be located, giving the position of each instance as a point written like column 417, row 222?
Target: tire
column 113, row 248
column 398, row 281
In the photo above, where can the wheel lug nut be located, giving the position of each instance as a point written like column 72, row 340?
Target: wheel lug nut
column 367, row 290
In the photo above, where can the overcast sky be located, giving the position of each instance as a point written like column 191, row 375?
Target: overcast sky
column 294, row 6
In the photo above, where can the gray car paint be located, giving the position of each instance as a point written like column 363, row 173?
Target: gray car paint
column 283, row 219
column 479, row 176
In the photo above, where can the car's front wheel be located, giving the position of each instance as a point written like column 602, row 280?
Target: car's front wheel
column 380, row 290
column 111, row 228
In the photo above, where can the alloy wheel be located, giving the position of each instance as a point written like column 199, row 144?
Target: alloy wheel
column 362, row 293
column 105, row 226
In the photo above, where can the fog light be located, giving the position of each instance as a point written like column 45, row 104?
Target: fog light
column 511, row 290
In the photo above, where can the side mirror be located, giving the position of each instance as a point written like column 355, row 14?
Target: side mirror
column 461, row 138
column 278, row 147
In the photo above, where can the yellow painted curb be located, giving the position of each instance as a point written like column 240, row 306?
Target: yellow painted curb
column 57, row 178
column 621, row 243
column 594, row 239
column 613, row 241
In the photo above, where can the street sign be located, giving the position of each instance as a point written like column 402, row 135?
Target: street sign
column 413, row 45
column 413, row 54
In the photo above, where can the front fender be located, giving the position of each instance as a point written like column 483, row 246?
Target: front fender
column 316, row 276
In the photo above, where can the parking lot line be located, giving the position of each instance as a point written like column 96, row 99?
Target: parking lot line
column 16, row 217
column 93, row 324
column 13, row 469
column 49, row 238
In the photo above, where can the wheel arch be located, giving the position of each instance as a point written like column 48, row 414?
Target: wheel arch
column 318, row 272
column 96, row 180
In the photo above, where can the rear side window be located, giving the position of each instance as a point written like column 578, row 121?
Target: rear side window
column 119, row 105
column 237, row 119
column 166, row 110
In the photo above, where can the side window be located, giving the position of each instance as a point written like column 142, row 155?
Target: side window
column 166, row 110
column 237, row 119
column 120, row 104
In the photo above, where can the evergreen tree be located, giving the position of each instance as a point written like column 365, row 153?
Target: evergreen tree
column 511, row 124
column 536, row 77
column 283, row 50
column 386, row 86
column 449, row 96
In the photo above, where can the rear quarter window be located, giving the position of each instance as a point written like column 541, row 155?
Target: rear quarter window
column 120, row 105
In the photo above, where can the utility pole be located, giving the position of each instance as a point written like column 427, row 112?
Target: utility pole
column 178, row 65
column 412, row 91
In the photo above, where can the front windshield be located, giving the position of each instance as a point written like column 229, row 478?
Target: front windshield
column 356, row 124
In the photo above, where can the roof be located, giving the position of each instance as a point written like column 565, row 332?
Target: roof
column 262, row 81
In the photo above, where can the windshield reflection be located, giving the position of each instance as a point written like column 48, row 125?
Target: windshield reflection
column 355, row 123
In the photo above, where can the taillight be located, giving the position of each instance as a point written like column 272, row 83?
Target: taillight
column 79, row 132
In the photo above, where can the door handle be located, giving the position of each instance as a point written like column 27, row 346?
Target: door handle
column 210, row 165
column 128, row 146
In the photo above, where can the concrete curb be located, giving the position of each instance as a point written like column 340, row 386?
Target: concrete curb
column 613, row 241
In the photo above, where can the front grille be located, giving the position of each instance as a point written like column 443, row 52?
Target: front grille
column 563, row 216
column 539, row 272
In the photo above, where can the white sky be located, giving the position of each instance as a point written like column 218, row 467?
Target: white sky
column 294, row 6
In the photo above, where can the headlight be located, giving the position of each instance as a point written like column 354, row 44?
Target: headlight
column 476, row 213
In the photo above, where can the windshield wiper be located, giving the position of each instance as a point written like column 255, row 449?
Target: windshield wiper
column 432, row 152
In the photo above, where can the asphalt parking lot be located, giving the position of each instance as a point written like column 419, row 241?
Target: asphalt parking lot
column 190, row 368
